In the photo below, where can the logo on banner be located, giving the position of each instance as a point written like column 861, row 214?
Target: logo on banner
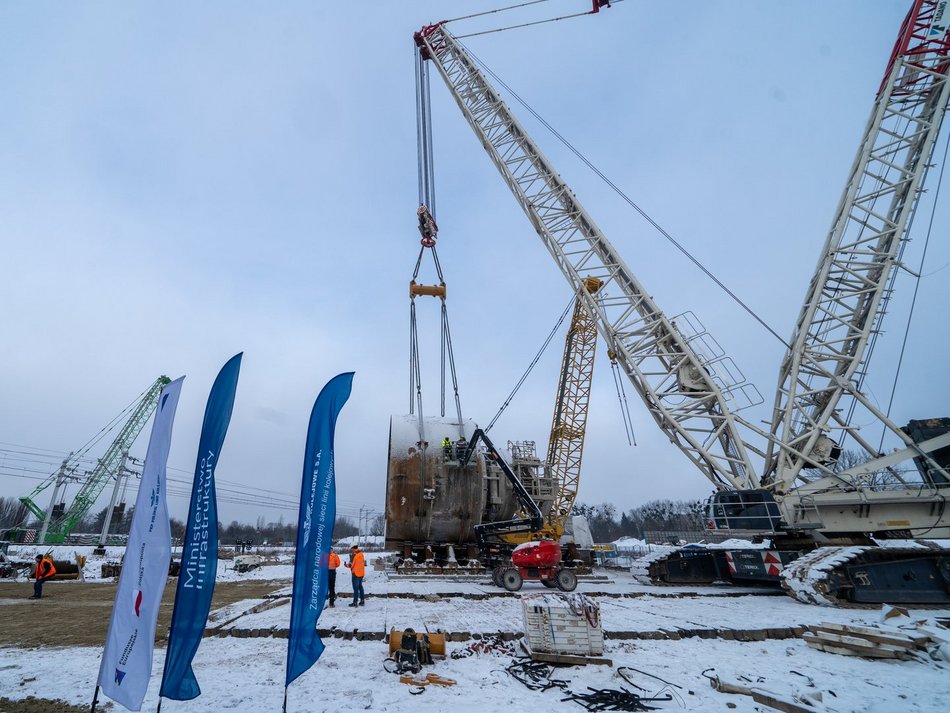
column 119, row 675
column 195, row 552
column 138, row 602
column 938, row 26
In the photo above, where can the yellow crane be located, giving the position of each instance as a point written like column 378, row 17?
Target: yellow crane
column 569, row 423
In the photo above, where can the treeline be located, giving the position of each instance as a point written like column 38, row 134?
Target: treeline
column 13, row 513
column 606, row 525
column 273, row 533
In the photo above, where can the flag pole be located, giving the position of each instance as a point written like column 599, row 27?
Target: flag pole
column 95, row 699
column 285, row 699
column 159, row 709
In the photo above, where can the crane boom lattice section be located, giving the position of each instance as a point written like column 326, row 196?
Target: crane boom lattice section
column 107, row 467
column 846, row 298
column 569, row 424
column 685, row 394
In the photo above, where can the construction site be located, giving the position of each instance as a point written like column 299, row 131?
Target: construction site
column 820, row 581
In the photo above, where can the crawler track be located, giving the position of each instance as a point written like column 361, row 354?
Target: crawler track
column 864, row 577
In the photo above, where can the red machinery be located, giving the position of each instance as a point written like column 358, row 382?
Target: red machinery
column 537, row 561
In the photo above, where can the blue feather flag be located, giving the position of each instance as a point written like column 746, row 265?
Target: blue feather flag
column 199, row 555
column 315, row 528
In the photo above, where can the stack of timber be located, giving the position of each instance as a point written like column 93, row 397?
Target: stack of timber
column 867, row 641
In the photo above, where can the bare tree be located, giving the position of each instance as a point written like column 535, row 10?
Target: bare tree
column 12, row 512
column 378, row 525
column 876, row 479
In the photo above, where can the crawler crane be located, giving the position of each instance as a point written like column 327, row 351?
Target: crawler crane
column 786, row 489
column 58, row 521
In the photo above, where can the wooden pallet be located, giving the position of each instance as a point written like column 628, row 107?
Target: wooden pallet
column 869, row 642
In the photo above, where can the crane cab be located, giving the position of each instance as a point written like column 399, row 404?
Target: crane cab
column 743, row 510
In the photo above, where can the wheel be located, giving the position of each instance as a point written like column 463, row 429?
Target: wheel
column 549, row 583
column 511, row 579
column 566, row 580
column 496, row 575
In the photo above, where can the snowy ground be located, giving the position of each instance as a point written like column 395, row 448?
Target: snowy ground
column 246, row 674
column 647, row 613
column 277, row 561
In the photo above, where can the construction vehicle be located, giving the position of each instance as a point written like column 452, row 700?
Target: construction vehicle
column 787, row 489
column 538, row 560
column 58, row 521
column 538, row 531
column 246, row 563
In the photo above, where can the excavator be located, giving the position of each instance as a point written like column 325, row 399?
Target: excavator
column 822, row 525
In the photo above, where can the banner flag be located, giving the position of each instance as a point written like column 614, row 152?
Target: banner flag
column 199, row 552
column 127, row 657
column 315, row 528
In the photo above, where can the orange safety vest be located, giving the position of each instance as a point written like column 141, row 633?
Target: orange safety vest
column 45, row 569
column 358, row 565
column 334, row 560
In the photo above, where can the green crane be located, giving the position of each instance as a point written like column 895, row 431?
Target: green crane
column 58, row 522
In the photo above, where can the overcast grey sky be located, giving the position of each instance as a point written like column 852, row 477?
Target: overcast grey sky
column 181, row 182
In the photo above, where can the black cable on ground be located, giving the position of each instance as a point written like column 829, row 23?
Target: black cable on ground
column 614, row 699
column 535, row 676
column 620, row 670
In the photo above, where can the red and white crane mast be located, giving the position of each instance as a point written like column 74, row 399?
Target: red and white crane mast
column 845, row 302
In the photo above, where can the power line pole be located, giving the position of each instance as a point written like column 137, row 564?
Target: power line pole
column 60, row 481
column 121, row 473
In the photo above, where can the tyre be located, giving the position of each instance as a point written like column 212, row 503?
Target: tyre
column 549, row 583
column 566, row 580
column 511, row 579
column 496, row 575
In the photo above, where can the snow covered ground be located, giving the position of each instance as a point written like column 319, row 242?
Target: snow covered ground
column 652, row 612
column 278, row 561
column 248, row 674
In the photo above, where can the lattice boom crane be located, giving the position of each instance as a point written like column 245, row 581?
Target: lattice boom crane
column 842, row 310
column 57, row 526
column 685, row 393
column 695, row 394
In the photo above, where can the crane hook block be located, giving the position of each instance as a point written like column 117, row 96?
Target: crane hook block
column 427, row 226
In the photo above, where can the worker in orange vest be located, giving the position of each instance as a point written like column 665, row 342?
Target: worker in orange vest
column 357, row 565
column 44, row 570
column 331, row 575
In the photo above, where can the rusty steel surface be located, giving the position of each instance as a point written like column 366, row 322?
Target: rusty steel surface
column 430, row 498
